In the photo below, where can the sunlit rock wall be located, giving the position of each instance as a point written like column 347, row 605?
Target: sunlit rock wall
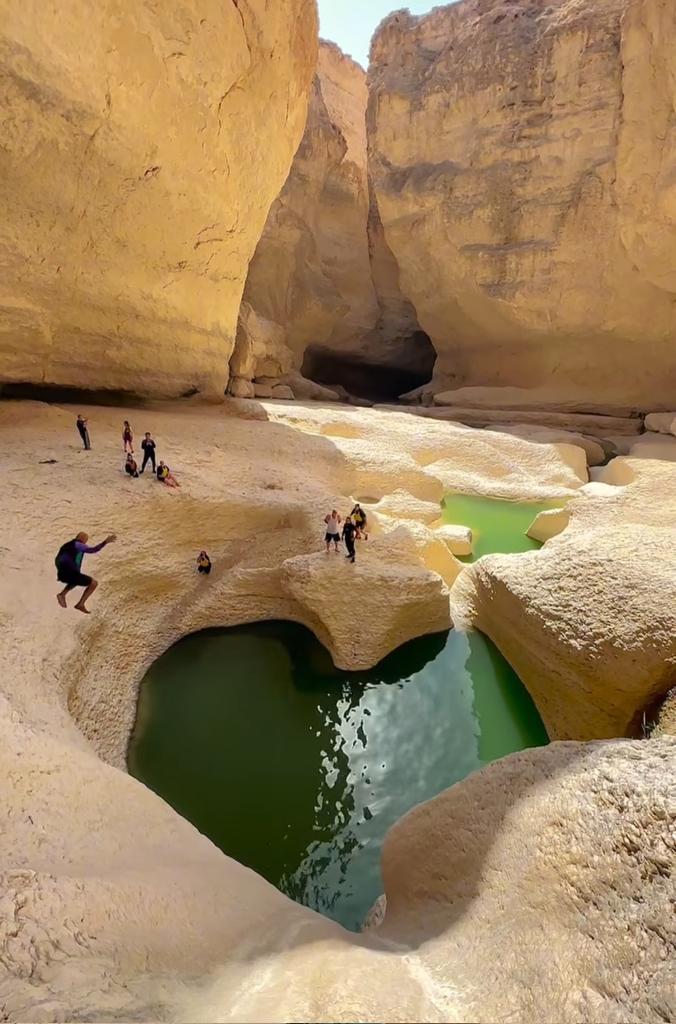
column 142, row 146
column 523, row 154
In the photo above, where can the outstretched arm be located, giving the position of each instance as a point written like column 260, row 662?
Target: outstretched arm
column 87, row 550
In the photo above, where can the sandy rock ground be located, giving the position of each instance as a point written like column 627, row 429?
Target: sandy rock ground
column 113, row 908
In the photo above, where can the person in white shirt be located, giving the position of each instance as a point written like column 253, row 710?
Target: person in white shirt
column 333, row 521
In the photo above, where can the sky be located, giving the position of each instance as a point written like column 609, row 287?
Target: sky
column 351, row 23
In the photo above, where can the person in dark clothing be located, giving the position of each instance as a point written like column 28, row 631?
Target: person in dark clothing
column 81, row 424
column 69, row 568
column 359, row 519
column 203, row 563
column 131, row 465
column 127, row 437
column 349, row 531
column 148, row 446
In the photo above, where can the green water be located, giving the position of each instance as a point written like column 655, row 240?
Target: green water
column 496, row 525
column 297, row 769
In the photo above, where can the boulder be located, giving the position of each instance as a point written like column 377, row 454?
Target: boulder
column 537, row 252
column 661, row 422
column 458, row 539
column 260, row 349
column 135, row 188
column 283, row 392
column 589, row 621
column 549, row 523
column 593, row 449
column 308, row 390
column 397, row 601
column 240, row 387
column 262, row 390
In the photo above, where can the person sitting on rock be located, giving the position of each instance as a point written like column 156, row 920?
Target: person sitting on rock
column 148, row 446
column 349, row 531
column 127, row 437
column 131, row 465
column 203, row 563
column 359, row 519
column 165, row 476
column 333, row 521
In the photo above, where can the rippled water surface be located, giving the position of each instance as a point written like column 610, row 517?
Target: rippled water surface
column 297, row 769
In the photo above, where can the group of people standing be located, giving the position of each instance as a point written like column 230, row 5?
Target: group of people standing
column 353, row 529
column 131, row 468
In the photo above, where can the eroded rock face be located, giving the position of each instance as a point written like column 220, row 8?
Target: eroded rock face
column 523, row 156
column 311, row 273
column 322, row 271
column 135, row 185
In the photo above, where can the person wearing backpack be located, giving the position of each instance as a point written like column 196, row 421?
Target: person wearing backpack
column 69, row 568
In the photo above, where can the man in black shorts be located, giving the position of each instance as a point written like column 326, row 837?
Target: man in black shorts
column 333, row 522
column 69, row 568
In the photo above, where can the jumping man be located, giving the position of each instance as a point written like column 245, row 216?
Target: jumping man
column 69, row 568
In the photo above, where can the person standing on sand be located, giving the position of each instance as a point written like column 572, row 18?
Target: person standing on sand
column 333, row 522
column 349, row 531
column 69, row 568
column 148, row 446
column 127, row 438
column 359, row 519
column 81, row 424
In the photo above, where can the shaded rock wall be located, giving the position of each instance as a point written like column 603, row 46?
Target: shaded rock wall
column 523, row 156
column 133, row 183
column 322, row 271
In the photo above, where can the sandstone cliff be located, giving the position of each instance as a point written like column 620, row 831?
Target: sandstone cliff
column 323, row 280
column 142, row 147
column 523, row 155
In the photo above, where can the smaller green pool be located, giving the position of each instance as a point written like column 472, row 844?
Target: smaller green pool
column 497, row 525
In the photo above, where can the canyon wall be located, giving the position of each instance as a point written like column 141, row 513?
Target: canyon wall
column 523, row 156
column 322, row 292
column 142, row 147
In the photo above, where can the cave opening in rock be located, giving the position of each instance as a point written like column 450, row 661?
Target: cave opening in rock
column 297, row 769
column 410, row 365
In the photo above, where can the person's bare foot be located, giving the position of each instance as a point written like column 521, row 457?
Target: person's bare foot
column 81, row 608
column 61, row 598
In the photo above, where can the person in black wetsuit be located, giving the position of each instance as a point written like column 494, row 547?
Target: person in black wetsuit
column 349, row 531
column 148, row 446
column 203, row 563
column 82, row 430
column 69, row 568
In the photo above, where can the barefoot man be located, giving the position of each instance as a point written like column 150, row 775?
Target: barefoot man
column 69, row 568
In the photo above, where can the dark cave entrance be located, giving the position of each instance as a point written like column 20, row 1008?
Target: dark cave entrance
column 409, row 365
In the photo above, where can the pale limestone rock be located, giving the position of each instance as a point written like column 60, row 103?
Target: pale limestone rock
column 661, row 422
column 311, row 274
column 654, row 446
column 262, row 390
column 241, row 387
column 260, row 349
column 580, row 423
column 458, row 539
column 548, row 524
column 537, row 251
column 365, row 610
column 541, row 865
column 589, row 621
column 284, row 392
column 594, row 451
column 308, row 389
column 113, row 908
column 135, row 187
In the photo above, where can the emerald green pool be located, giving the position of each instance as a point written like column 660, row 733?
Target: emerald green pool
column 297, row 769
column 496, row 524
